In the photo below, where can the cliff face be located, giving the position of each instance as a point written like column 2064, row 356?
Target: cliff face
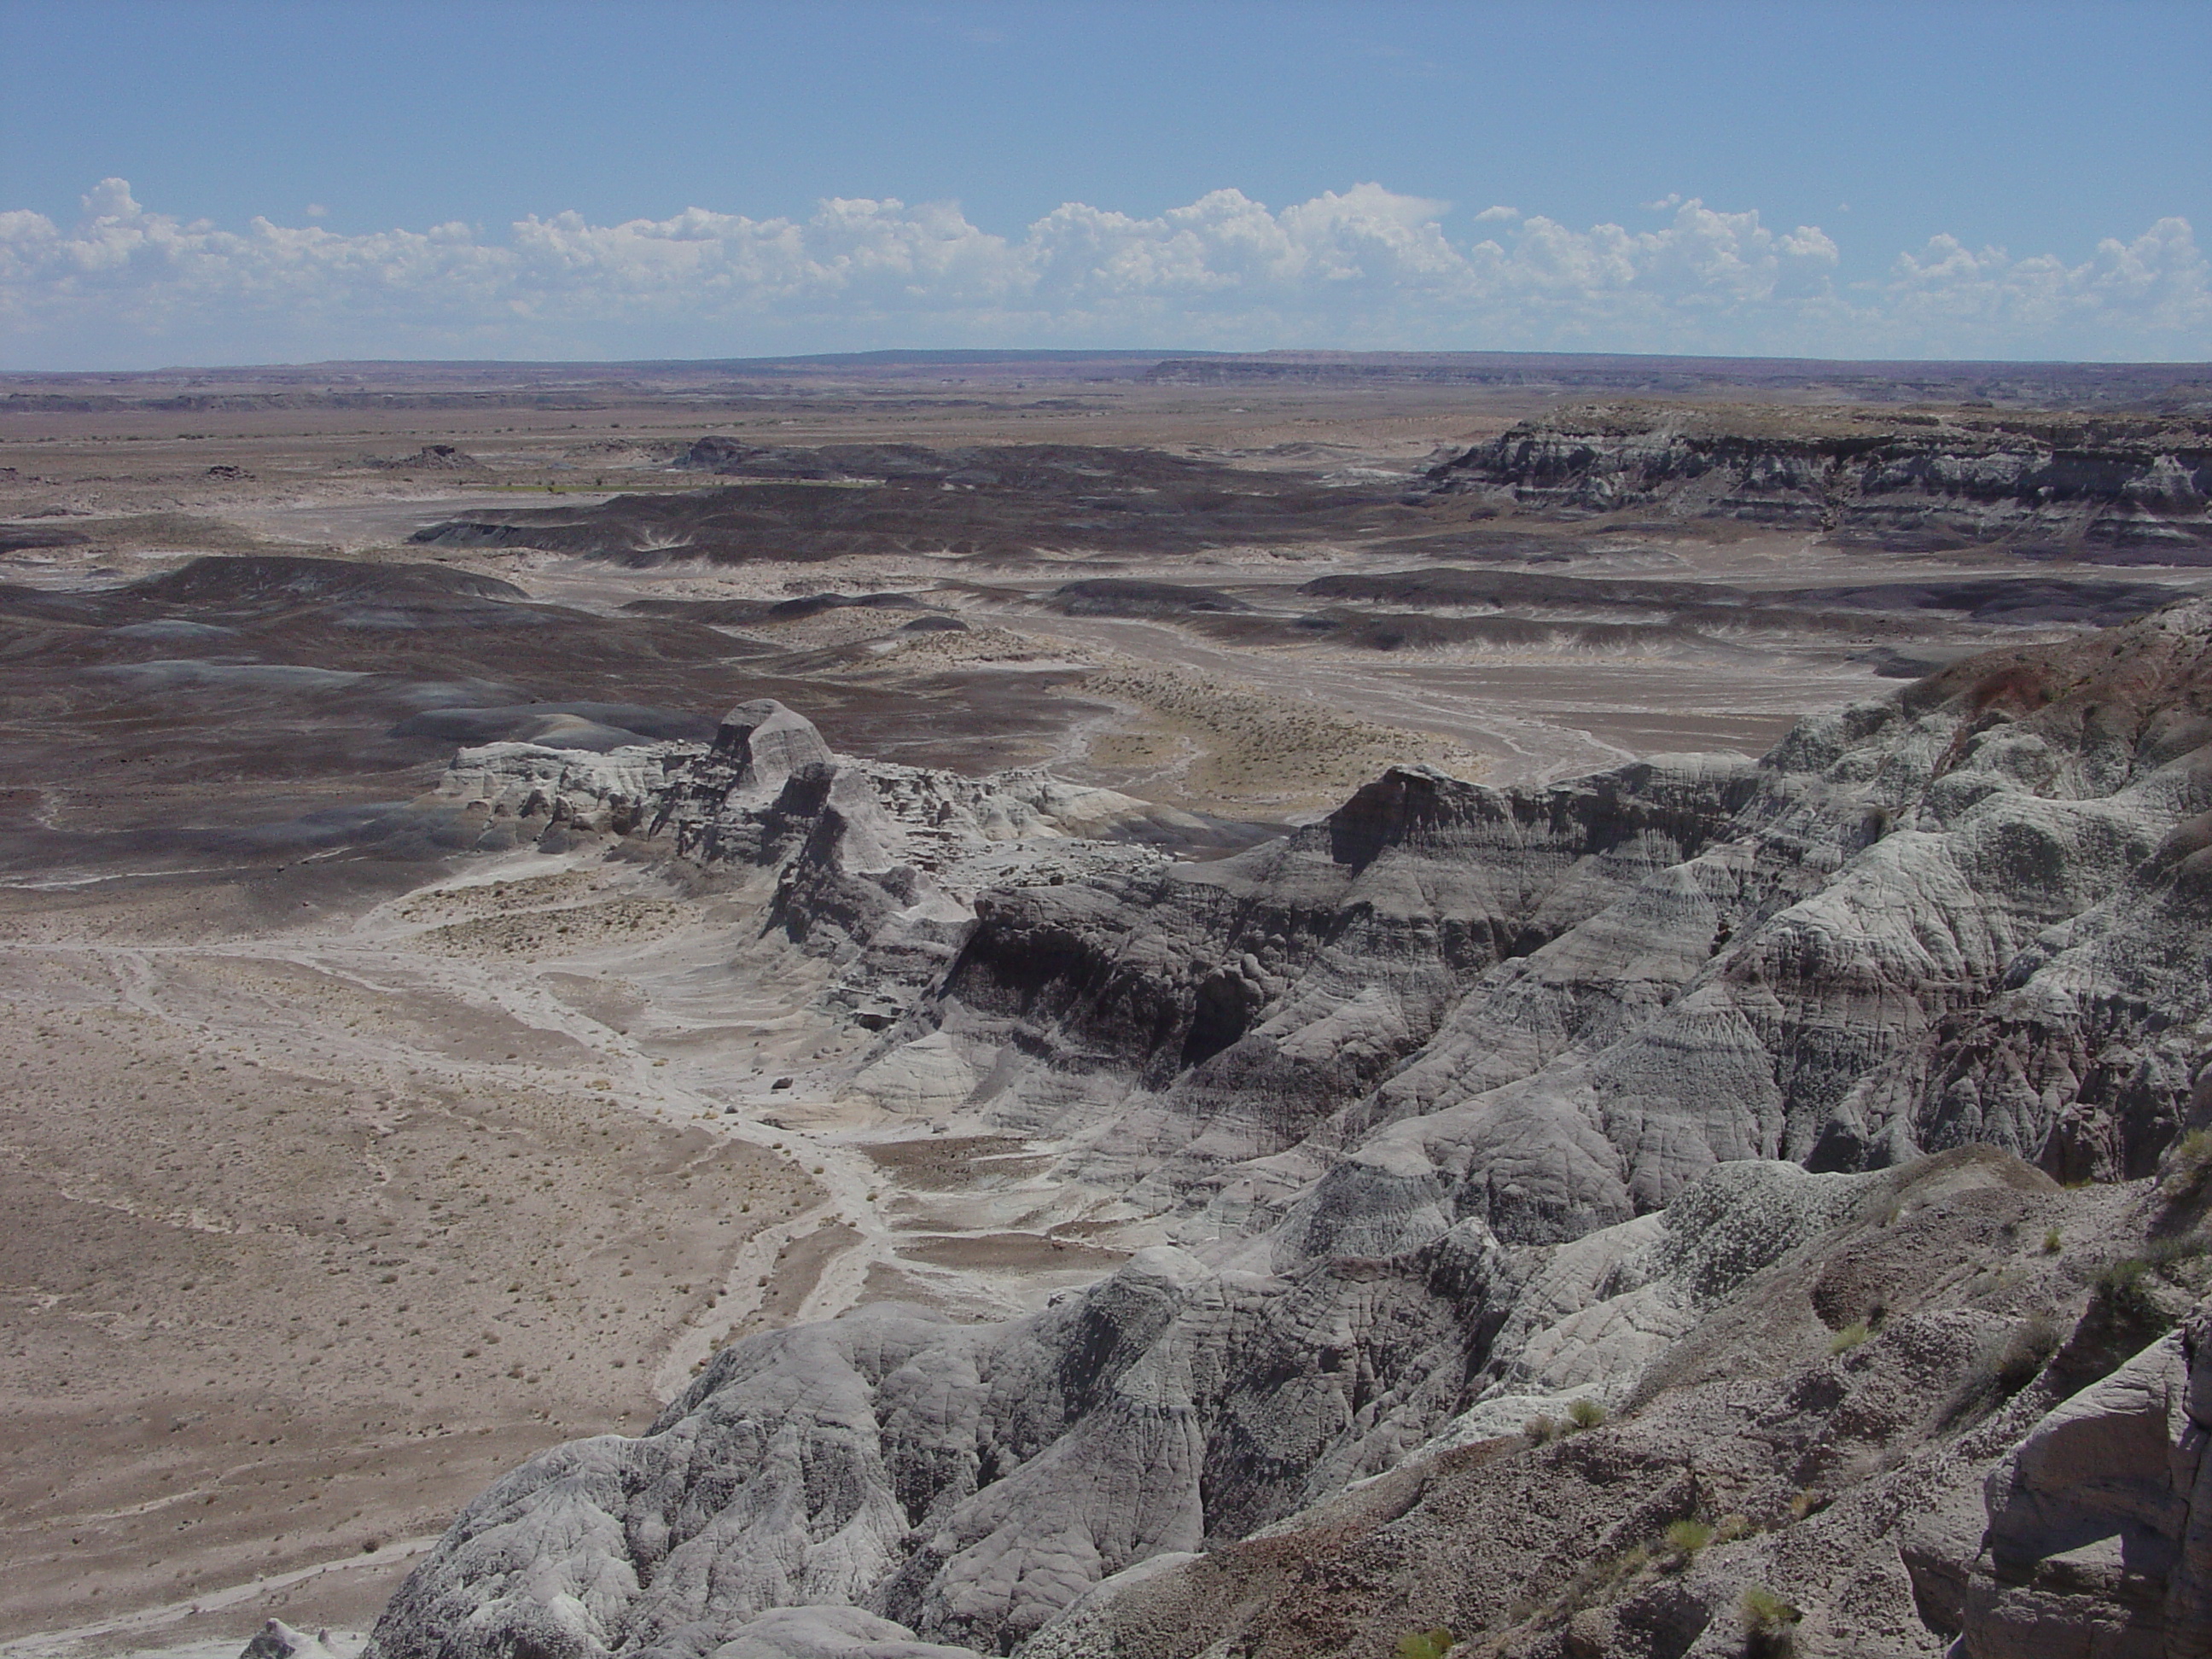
column 1461, row 1106
column 2139, row 487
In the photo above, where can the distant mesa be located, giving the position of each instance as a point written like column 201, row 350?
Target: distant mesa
column 1984, row 385
column 2119, row 488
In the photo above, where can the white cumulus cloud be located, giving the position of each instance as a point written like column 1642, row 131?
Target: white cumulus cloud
column 1365, row 268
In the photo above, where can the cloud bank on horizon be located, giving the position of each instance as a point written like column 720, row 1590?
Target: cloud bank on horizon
column 1368, row 269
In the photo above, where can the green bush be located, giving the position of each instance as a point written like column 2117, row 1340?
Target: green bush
column 1850, row 1337
column 1586, row 1413
column 1686, row 1538
column 2053, row 1241
column 1425, row 1644
column 1768, row 1623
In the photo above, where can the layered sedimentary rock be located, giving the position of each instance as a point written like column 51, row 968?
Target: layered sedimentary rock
column 1463, row 1106
column 2121, row 483
column 874, row 864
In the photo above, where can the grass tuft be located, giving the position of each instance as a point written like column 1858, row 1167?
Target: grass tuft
column 2188, row 1167
column 1768, row 1623
column 1850, row 1337
column 2026, row 1352
column 1586, row 1413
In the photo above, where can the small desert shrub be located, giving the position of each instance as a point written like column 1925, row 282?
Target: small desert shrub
column 2053, row 1241
column 1686, row 1538
column 2026, row 1352
column 1768, row 1622
column 1809, row 1501
column 2121, row 1285
column 2183, row 1247
column 1425, row 1644
column 1541, row 1428
column 2189, row 1167
column 1850, row 1337
column 1586, row 1413
column 2003, row 1368
column 1730, row 1528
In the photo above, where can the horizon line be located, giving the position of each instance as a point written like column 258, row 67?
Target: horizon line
column 956, row 356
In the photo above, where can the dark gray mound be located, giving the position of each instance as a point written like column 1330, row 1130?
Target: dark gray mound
column 2025, row 599
column 1419, row 631
column 734, row 613
column 25, row 538
column 248, row 577
column 431, row 458
column 1108, row 596
column 998, row 502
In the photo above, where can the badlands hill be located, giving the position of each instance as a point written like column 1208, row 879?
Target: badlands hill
column 2117, row 490
column 1705, row 1207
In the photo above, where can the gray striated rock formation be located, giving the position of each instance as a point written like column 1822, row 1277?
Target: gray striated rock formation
column 1465, row 1106
column 1355, row 1424
column 874, row 864
column 1973, row 914
column 2119, row 484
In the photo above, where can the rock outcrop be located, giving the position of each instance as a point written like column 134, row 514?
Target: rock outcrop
column 874, row 864
column 2116, row 484
column 2099, row 1537
column 1733, row 1098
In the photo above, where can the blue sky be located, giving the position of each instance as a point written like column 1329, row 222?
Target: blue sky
column 320, row 179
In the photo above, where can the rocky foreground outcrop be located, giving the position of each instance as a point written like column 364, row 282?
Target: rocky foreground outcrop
column 1830, row 1121
column 2110, row 488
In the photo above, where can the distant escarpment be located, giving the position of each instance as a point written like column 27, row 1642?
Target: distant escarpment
column 2116, row 489
column 1712, row 1206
